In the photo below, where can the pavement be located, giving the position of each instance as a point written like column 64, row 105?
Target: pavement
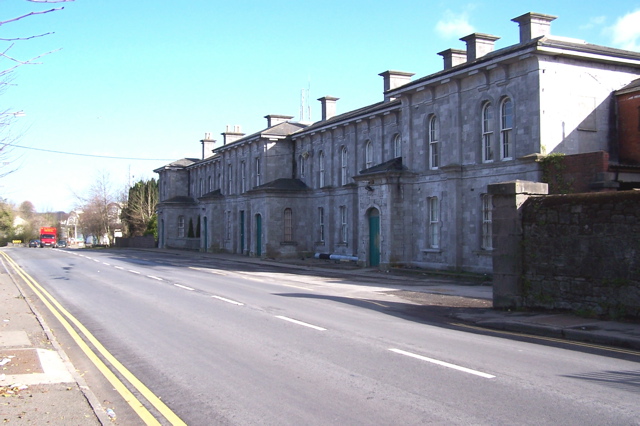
column 39, row 385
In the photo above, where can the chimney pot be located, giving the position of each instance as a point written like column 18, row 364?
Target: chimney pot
column 478, row 45
column 393, row 79
column 453, row 57
column 534, row 25
column 273, row 119
column 328, row 107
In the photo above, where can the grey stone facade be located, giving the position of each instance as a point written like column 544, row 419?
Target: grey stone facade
column 403, row 181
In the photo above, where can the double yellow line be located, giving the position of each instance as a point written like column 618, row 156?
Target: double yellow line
column 66, row 319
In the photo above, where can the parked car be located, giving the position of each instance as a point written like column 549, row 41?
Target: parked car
column 61, row 244
column 34, row 243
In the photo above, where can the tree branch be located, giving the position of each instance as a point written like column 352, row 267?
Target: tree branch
column 30, row 14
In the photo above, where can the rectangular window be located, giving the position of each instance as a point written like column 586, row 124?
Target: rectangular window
column 487, row 224
column 506, row 126
column 230, row 179
column 434, row 147
column 343, row 224
column 288, row 225
column 180, row 226
column 321, row 224
column 321, row 167
column 258, row 177
column 434, row 223
column 243, row 182
column 228, row 230
column 487, row 133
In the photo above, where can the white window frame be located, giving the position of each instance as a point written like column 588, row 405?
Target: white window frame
column 181, row 226
column 230, row 178
column 368, row 154
column 243, row 177
column 321, row 224
column 506, row 129
column 343, row 224
column 321, row 179
column 434, row 144
column 397, row 146
column 288, row 224
column 258, row 171
column 487, row 222
column 434, row 223
column 343, row 165
column 487, row 133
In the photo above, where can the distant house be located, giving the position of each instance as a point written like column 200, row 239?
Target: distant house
column 404, row 181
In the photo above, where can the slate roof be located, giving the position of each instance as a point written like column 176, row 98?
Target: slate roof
column 180, row 199
column 564, row 46
column 216, row 193
column 283, row 184
column 178, row 164
column 393, row 165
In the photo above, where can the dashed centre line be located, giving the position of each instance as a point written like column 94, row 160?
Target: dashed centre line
column 224, row 299
column 315, row 327
column 184, row 287
column 443, row 364
column 134, row 272
column 153, row 277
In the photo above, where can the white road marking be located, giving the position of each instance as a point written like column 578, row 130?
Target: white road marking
column 135, row 272
column 443, row 364
column 96, row 260
column 119, row 267
column 105, row 263
column 155, row 278
column 315, row 327
column 228, row 300
column 184, row 286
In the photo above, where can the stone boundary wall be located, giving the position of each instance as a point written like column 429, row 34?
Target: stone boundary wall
column 146, row 241
column 581, row 252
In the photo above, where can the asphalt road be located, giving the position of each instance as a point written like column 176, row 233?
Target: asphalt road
column 223, row 342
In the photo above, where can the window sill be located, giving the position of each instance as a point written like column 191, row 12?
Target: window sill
column 432, row 250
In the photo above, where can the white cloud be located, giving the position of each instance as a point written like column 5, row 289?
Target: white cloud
column 626, row 31
column 596, row 21
column 454, row 25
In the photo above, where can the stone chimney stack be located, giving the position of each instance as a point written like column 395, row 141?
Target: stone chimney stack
column 328, row 107
column 207, row 146
column 534, row 25
column 478, row 45
column 393, row 79
column 453, row 57
column 273, row 119
column 231, row 135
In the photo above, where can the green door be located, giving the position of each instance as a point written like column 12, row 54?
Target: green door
column 241, row 231
column 258, row 235
column 374, row 238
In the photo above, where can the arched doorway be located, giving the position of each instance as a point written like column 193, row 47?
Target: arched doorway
column 258, row 235
column 374, row 237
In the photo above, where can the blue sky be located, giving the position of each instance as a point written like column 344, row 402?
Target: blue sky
column 147, row 79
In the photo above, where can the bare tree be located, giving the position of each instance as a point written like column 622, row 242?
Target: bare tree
column 100, row 209
column 8, row 64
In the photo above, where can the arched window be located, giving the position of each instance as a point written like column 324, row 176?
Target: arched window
column 506, row 127
column 397, row 146
column 434, row 149
column 343, row 166
column 368, row 154
column 487, row 133
column 321, row 177
column 288, row 225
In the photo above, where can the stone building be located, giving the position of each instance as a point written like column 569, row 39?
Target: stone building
column 403, row 181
